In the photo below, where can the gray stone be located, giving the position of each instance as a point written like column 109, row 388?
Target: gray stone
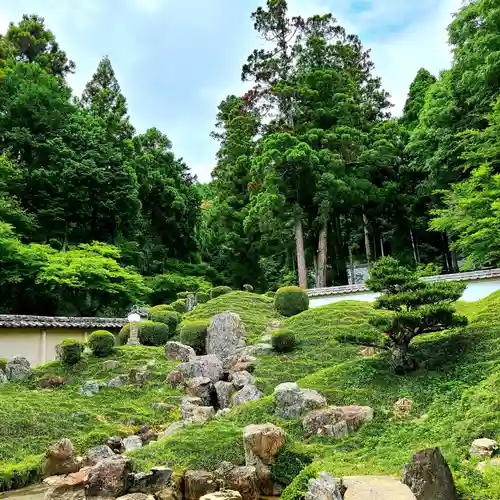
column 375, row 488
column 97, row 454
column 136, row 496
column 261, row 349
column 483, row 448
column 118, row 381
column 224, row 392
column 60, row 459
column 66, row 487
column 190, row 302
column 225, row 335
column 18, row 369
column 222, row 413
column 109, row 478
column 162, row 406
column 325, row 487
column 110, row 364
column 131, row 443
column 171, row 429
column 138, row 376
column 209, row 366
column 89, row 388
column 241, row 379
column 336, row 421
column 116, row 444
column 198, row 483
column 155, row 480
column 240, row 361
column 179, row 352
column 241, row 479
column 222, row 495
column 429, row 477
column 3, row 377
column 175, row 379
column 200, row 387
column 193, row 411
column 292, row 402
column 248, row 393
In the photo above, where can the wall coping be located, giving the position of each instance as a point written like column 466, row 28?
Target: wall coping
column 26, row 321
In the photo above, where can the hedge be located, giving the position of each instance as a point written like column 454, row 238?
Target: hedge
column 69, row 351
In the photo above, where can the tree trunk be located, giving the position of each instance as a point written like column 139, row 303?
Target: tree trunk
column 401, row 361
column 322, row 256
column 301, row 257
column 351, row 266
column 382, row 253
column 415, row 249
column 368, row 246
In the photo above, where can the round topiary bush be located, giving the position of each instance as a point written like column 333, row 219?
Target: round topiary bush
column 150, row 333
column 248, row 288
column 182, row 295
column 69, row 351
column 170, row 318
column 291, row 300
column 3, row 363
column 283, row 340
column 179, row 305
column 160, row 308
column 101, row 343
column 202, row 297
column 220, row 290
column 194, row 334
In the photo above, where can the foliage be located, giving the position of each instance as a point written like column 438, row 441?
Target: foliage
column 290, row 461
column 179, row 306
column 291, row 300
column 194, row 334
column 219, row 290
column 283, row 340
column 168, row 316
column 431, row 269
column 3, row 363
column 202, row 297
column 101, row 343
column 165, row 287
column 150, row 333
column 69, row 351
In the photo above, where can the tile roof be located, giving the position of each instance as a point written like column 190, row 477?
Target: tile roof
column 22, row 321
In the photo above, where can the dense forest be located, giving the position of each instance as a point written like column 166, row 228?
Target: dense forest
column 313, row 173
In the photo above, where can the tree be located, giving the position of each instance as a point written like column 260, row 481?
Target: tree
column 417, row 308
column 416, row 98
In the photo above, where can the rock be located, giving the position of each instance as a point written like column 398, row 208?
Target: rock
column 109, row 478
column 110, row 364
column 292, row 402
column 375, row 488
column 203, row 414
column 97, row 454
column 148, row 437
column 49, row 382
column 429, row 477
column 190, row 302
column 325, row 487
column 224, row 391
column 67, row 487
column 136, row 496
column 198, row 483
column 162, row 406
column 248, row 393
column 336, row 421
column 18, row 369
column 118, row 381
column 200, row 387
column 175, row 379
column 116, row 444
column 240, row 361
column 266, row 338
column 60, row 459
column 173, row 427
column 402, row 407
column 262, row 443
column 3, row 377
column 193, row 411
column 89, row 388
column 225, row 335
column 187, row 405
column 131, row 443
column 369, row 351
column 209, row 366
column 261, row 349
column 179, row 352
column 158, row 478
column 241, row 379
column 144, row 428
column 222, row 413
column 138, row 377
column 494, row 463
column 483, row 448
column 241, row 479
column 222, row 495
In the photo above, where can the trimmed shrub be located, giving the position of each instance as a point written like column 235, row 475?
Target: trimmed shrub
column 283, row 340
column 101, row 343
column 3, row 363
column 248, row 288
column 170, row 318
column 194, row 334
column 69, row 351
column 160, row 308
column 150, row 333
column 291, row 300
column 179, row 305
column 183, row 295
column 202, row 297
column 220, row 290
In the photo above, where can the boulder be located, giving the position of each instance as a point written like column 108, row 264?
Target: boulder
column 198, row 483
column 138, row 376
column 116, row 444
column 483, row 448
column 18, row 369
column 3, row 377
column 222, row 495
column 131, row 443
column 49, row 382
column 402, row 407
column 193, row 411
column 336, row 421
column 225, row 335
column 179, row 352
column 241, row 379
column 324, row 487
column 187, row 405
column 109, row 478
column 209, row 366
column 261, row 349
column 118, row 381
column 375, row 488
column 173, row 427
column 200, row 387
column 224, row 391
column 202, row 414
column 494, row 463
column 60, row 459
column 136, row 496
column 248, row 393
column 262, row 443
column 89, row 388
column 67, row 487
column 222, row 413
column 241, row 479
column 148, row 437
column 175, row 379
column 292, row 402
column 157, row 479
column 110, row 364
column 97, row 454
column 241, row 360
column 429, row 477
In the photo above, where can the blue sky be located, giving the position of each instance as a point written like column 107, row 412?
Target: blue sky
column 177, row 59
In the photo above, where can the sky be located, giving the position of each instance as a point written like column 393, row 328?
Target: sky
column 177, row 59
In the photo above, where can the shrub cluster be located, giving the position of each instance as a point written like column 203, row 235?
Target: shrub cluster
column 69, row 351
column 179, row 305
column 101, row 343
column 194, row 334
column 291, row 300
column 202, row 297
column 182, row 295
column 3, row 363
column 150, row 333
column 283, row 340
column 169, row 317
column 220, row 290
column 289, row 463
column 165, row 287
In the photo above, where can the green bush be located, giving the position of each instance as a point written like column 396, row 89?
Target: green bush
column 160, row 308
column 179, row 305
column 220, row 290
column 165, row 287
column 3, row 363
column 69, row 351
column 289, row 463
column 101, row 343
column 183, row 295
column 300, row 484
column 283, row 340
column 170, row 318
column 248, row 288
column 194, row 334
column 291, row 300
column 150, row 333
column 202, row 297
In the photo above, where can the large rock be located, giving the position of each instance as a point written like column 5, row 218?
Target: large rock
column 60, row 459
column 118, row 381
column 136, row 496
column 261, row 349
column 109, row 478
column 209, row 366
column 175, row 379
column 222, row 495
column 225, row 335
column 192, row 411
column 116, row 444
column 248, row 393
column 131, row 443
column 67, row 487
column 18, row 369
column 138, row 376
column 241, row 479
column 336, row 421
column 110, row 364
column 200, row 387
column 262, row 443
column 483, row 448
column 429, row 477
column 89, row 388
column 241, row 379
column 198, row 483
column 325, row 487
column 375, row 488
column 3, row 377
column 292, row 402
column 97, row 454
column 157, row 479
column 240, row 361
column 224, row 391
column 179, row 352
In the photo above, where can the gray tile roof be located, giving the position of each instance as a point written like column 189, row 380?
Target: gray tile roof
column 22, row 321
